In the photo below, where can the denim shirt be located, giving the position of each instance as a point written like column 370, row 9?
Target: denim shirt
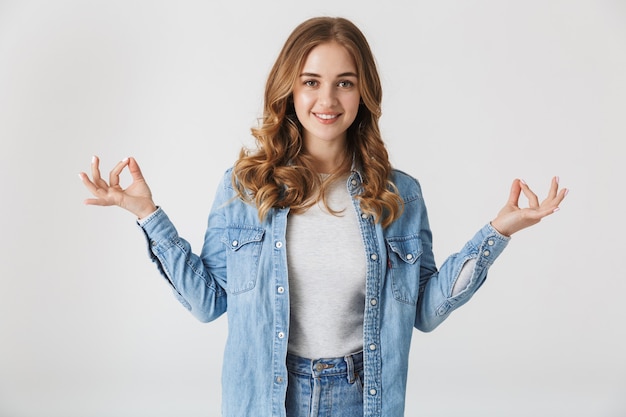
column 242, row 269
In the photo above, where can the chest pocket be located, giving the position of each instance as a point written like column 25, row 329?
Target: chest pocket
column 404, row 267
column 243, row 250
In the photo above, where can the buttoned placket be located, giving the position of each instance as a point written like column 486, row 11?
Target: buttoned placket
column 371, row 323
column 281, row 303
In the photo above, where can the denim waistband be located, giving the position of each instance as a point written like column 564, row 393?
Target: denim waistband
column 318, row 368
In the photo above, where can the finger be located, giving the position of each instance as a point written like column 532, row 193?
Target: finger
column 88, row 183
column 551, row 206
column 134, row 169
column 514, row 193
column 96, row 202
column 544, row 212
column 561, row 196
column 84, row 178
column 555, row 196
column 554, row 188
column 114, row 175
column 92, row 202
column 95, row 169
column 533, row 201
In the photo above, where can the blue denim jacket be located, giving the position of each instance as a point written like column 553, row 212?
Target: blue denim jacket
column 243, row 270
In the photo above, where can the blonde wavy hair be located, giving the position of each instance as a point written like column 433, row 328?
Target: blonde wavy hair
column 279, row 172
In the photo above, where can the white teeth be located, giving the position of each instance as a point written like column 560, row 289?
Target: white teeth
column 326, row 116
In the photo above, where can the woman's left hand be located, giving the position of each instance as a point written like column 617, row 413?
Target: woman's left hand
column 512, row 218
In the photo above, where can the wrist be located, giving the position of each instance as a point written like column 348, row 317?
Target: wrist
column 500, row 229
column 146, row 211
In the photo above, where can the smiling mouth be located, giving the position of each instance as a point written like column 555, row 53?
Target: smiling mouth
column 325, row 116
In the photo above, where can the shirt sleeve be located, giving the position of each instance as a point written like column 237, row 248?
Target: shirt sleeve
column 196, row 280
column 459, row 277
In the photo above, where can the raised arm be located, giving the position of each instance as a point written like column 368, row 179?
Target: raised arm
column 196, row 281
column 464, row 272
column 136, row 198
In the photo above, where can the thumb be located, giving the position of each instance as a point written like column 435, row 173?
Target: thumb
column 134, row 169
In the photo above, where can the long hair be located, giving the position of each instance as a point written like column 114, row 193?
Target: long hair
column 279, row 173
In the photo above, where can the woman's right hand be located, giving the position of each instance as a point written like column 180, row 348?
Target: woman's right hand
column 136, row 198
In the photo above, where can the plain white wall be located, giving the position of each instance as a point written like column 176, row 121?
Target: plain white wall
column 476, row 94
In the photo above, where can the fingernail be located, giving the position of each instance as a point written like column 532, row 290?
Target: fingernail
column 522, row 181
column 125, row 160
column 80, row 176
column 566, row 192
column 557, row 179
column 556, row 209
column 93, row 159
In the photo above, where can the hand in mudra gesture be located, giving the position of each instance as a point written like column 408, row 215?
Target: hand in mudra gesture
column 136, row 198
column 512, row 218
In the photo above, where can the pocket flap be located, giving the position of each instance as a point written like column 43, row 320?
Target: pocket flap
column 236, row 237
column 408, row 248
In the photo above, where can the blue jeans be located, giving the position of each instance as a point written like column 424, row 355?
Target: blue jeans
column 325, row 387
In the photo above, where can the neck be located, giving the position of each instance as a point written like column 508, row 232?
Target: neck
column 329, row 164
column 328, row 158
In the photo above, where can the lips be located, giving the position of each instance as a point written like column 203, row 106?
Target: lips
column 327, row 117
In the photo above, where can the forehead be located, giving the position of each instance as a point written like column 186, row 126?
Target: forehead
column 329, row 59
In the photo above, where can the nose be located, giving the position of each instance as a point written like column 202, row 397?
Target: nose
column 327, row 96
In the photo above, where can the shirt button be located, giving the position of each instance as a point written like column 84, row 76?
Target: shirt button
column 373, row 346
column 373, row 301
column 373, row 256
column 354, row 182
column 364, row 216
column 281, row 335
column 279, row 245
column 490, row 242
column 373, row 391
column 486, row 253
column 279, row 379
column 409, row 256
column 154, row 243
column 235, row 243
column 281, row 290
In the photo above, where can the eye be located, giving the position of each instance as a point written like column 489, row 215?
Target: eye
column 345, row 84
column 311, row 83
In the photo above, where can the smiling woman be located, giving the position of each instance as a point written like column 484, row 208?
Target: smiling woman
column 282, row 171
column 319, row 251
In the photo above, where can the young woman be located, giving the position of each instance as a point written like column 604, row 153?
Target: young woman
column 319, row 250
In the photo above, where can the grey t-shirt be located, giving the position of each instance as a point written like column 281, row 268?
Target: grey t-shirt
column 326, row 260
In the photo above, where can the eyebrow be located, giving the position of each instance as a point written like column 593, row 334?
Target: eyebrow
column 343, row 74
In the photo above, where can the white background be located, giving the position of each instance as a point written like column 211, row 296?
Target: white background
column 477, row 93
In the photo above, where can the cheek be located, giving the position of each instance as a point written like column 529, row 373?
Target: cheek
column 302, row 102
column 352, row 103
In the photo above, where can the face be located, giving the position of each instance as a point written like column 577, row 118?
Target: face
column 326, row 96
